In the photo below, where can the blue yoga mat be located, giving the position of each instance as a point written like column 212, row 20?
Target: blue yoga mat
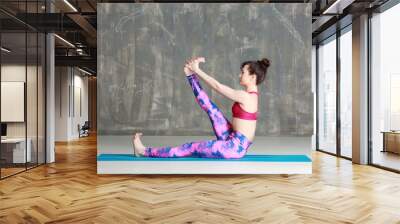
column 246, row 158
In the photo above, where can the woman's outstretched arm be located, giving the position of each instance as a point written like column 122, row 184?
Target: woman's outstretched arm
column 236, row 95
column 233, row 94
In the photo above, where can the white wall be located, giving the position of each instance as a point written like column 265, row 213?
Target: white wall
column 16, row 72
column 80, row 82
column 61, row 103
column 34, row 125
column 68, row 81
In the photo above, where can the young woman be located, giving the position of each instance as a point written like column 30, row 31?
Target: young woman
column 233, row 139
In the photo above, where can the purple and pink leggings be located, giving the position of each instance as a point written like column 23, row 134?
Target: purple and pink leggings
column 228, row 145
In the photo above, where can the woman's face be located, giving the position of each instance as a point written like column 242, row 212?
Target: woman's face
column 245, row 77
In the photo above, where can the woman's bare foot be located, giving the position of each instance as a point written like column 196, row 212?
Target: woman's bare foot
column 138, row 145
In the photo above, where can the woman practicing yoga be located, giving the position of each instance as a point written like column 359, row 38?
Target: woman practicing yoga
column 233, row 139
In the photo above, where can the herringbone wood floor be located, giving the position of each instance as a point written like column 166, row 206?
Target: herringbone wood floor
column 70, row 191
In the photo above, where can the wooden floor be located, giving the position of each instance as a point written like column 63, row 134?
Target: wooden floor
column 70, row 191
column 10, row 171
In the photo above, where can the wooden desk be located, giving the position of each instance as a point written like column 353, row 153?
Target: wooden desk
column 391, row 141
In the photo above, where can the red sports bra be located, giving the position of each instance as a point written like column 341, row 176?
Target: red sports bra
column 238, row 112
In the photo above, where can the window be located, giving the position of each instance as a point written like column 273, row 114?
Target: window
column 327, row 95
column 346, row 92
column 385, row 88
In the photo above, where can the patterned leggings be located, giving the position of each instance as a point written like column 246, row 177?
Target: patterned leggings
column 229, row 143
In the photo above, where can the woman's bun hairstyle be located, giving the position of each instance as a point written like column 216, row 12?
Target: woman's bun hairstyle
column 264, row 62
column 258, row 68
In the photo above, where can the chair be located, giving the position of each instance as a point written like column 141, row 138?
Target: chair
column 84, row 130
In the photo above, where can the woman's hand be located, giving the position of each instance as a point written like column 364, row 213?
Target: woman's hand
column 193, row 64
column 187, row 70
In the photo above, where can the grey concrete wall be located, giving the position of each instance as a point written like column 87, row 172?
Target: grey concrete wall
column 142, row 48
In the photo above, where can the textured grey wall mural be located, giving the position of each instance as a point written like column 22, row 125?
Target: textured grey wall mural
column 142, row 48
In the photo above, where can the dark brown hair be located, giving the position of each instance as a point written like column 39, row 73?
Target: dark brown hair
column 258, row 68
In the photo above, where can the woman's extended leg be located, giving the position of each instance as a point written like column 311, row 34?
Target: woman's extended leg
column 223, row 149
column 222, row 127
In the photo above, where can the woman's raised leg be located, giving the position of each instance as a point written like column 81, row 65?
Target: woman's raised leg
column 222, row 127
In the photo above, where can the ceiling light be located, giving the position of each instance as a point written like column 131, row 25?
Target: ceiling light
column 331, row 7
column 5, row 49
column 86, row 72
column 337, row 7
column 65, row 41
column 70, row 5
